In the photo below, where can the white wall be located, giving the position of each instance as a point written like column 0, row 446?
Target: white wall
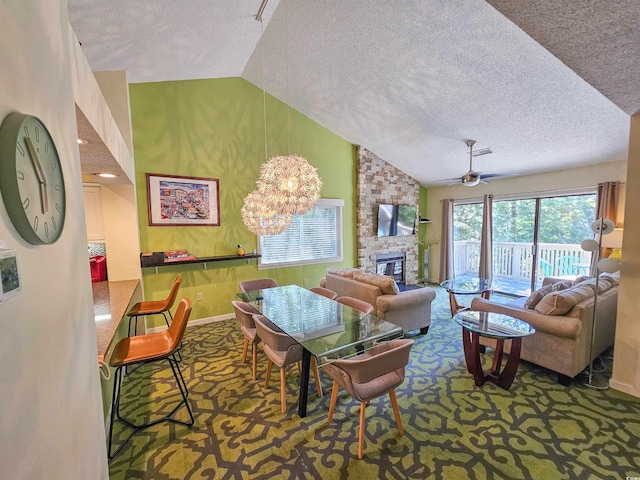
column 626, row 359
column 120, row 214
column 51, row 416
column 559, row 180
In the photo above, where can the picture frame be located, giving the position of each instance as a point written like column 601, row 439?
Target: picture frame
column 175, row 200
column 10, row 279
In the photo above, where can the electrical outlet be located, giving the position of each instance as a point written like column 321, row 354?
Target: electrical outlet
column 199, row 296
column 305, row 282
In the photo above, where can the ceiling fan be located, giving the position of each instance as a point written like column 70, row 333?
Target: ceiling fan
column 473, row 178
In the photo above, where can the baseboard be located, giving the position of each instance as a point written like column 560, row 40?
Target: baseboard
column 195, row 323
column 624, row 388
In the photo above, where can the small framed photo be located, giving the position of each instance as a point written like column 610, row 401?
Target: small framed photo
column 183, row 201
column 10, row 282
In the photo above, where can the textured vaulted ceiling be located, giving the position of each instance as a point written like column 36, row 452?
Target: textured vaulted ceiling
column 547, row 84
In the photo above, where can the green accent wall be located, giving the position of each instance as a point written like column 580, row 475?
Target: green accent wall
column 215, row 129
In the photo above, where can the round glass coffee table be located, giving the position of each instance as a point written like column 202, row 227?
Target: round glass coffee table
column 466, row 286
column 499, row 327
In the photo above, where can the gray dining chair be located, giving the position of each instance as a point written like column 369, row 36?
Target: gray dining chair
column 257, row 284
column 282, row 350
column 356, row 303
column 244, row 314
column 370, row 375
column 325, row 292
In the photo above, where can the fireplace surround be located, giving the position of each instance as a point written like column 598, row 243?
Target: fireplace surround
column 393, row 265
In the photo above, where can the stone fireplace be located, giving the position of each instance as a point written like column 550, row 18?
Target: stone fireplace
column 378, row 182
column 392, row 265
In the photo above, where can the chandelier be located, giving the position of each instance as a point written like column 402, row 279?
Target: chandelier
column 289, row 185
column 260, row 219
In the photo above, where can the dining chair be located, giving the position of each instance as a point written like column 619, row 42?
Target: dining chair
column 370, row 375
column 356, row 303
column 282, row 350
column 325, row 292
column 147, row 348
column 155, row 307
column 257, row 284
column 244, row 314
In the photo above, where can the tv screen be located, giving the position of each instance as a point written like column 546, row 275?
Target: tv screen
column 406, row 224
column 396, row 220
column 386, row 214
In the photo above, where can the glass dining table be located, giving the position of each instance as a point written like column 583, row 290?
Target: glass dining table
column 325, row 328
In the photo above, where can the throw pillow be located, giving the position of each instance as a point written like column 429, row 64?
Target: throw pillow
column 342, row 272
column 539, row 294
column 386, row 284
column 559, row 303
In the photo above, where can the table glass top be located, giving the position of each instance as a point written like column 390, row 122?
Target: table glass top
column 328, row 329
column 494, row 325
column 467, row 285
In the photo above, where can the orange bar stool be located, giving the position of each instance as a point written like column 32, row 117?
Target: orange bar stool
column 155, row 307
column 149, row 348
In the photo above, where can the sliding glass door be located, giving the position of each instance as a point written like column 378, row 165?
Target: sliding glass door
column 533, row 238
column 514, row 237
column 540, row 237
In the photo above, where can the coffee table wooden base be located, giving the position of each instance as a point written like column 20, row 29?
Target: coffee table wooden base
column 504, row 378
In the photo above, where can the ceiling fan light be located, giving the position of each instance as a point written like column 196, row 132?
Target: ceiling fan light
column 470, row 180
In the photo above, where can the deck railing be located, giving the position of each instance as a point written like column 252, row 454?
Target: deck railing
column 514, row 260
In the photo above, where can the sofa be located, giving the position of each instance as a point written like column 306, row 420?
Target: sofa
column 410, row 309
column 562, row 314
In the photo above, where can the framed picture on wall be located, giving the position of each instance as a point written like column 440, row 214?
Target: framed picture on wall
column 186, row 201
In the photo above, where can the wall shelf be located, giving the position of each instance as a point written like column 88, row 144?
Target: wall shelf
column 202, row 260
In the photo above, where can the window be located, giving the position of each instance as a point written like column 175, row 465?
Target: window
column 315, row 237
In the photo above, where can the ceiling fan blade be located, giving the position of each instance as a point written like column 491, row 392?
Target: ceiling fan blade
column 498, row 175
column 482, row 151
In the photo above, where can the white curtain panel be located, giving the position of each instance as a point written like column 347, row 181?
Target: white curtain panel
column 485, row 269
column 446, row 251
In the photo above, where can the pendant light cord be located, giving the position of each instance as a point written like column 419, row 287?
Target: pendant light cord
column 264, row 97
column 286, row 40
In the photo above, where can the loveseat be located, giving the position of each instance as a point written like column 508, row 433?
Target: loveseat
column 562, row 315
column 410, row 309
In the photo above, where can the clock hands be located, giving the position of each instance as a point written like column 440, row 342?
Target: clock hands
column 40, row 174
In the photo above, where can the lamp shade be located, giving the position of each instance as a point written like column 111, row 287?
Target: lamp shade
column 609, row 265
column 603, row 225
column 589, row 245
column 613, row 240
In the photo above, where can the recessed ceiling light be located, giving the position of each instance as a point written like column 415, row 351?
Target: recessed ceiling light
column 107, row 175
column 82, row 141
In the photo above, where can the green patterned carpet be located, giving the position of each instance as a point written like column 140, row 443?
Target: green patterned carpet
column 453, row 429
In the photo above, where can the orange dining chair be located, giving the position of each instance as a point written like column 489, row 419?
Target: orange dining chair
column 149, row 348
column 282, row 350
column 370, row 375
column 325, row 292
column 244, row 314
column 257, row 284
column 155, row 307
column 361, row 305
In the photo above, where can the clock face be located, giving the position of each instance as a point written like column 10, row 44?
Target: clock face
column 31, row 179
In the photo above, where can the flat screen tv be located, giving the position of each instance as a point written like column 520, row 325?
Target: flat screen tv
column 396, row 220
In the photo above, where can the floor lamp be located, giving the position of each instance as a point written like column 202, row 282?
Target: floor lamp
column 600, row 227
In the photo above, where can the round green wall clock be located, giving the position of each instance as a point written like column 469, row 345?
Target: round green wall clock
column 31, row 179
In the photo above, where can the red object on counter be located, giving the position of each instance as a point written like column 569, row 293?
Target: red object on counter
column 98, row 264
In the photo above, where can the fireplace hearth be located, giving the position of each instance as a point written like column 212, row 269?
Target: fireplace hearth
column 393, row 265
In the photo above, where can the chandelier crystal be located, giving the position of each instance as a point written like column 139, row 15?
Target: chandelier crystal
column 289, row 185
column 261, row 219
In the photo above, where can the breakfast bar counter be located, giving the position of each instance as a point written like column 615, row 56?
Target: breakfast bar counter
column 111, row 301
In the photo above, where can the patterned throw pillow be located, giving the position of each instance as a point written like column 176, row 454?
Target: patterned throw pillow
column 539, row 294
column 386, row 284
